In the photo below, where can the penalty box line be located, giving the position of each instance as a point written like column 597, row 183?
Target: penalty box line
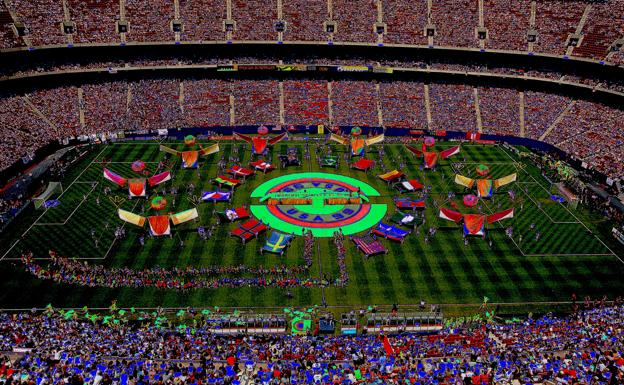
column 72, row 213
column 574, row 216
column 62, row 193
column 82, row 258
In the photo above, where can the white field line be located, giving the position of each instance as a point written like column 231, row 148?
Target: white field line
column 575, row 217
column 115, row 238
column 72, row 213
column 64, row 190
column 82, row 258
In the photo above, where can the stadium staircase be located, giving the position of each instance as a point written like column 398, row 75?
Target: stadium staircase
column 579, row 28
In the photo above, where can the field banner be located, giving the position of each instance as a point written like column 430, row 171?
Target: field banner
column 115, row 178
column 450, row 152
column 159, row 225
column 450, row 215
column 464, row 181
column 320, row 129
column 499, row 216
column 190, row 159
column 505, row 180
column 474, row 224
column 159, row 178
column 169, row 150
column 184, row 216
column 485, row 188
column 132, row 218
column 431, row 158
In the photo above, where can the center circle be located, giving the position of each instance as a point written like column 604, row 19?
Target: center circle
column 320, row 202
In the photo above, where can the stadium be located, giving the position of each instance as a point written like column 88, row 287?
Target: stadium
column 311, row 192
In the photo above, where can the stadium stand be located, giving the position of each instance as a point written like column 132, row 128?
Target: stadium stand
column 355, row 20
column 149, row 23
column 199, row 25
column 95, row 20
column 354, row 103
column 499, row 111
column 456, row 22
column 154, row 104
column 403, row 104
column 255, row 19
column 304, row 20
column 555, row 20
column 109, row 116
column 206, row 103
column 42, row 19
column 452, row 106
column 581, row 348
column 507, row 23
column 305, row 102
column 605, row 24
column 8, row 39
column 257, row 102
column 406, row 21
column 113, row 106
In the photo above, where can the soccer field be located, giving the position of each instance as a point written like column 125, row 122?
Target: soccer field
column 574, row 253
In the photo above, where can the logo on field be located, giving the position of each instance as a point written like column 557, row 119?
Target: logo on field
column 320, row 202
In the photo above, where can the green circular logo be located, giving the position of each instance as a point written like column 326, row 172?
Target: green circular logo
column 320, row 202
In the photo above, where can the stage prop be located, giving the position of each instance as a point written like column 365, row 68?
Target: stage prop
column 485, row 187
column 369, row 245
column 190, row 159
column 363, row 164
column 232, row 215
column 260, row 144
column 474, row 224
column 391, row 232
column 158, row 224
column 430, row 157
column 409, row 186
column 216, row 196
column 357, row 146
column 319, row 202
column 290, row 159
column 408, row 203
column 392, row 176
column 277, row 243
column 249, row 230
column 261, row 165
column 330, row 161
column 226, row 181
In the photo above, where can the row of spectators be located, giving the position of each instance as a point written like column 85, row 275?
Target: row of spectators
column 585, row 78
column 78, row 347
column 590, row 131
column 456, row 22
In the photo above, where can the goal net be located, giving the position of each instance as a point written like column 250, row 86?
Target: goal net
column 52, row 189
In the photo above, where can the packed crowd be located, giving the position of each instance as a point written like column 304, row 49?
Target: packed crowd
column 452, row 105
column 8, row 209
column 64, row 270
column 406, row 21
column 44, row 116
column 354, row 103
column 306, row 102
column 456, row 22
column 199, row 25
column 304, row 20
column 68, row 271
column 59, row 347
column 254, row 20
column 500, row 111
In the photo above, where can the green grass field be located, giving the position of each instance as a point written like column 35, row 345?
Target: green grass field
column 574, row 255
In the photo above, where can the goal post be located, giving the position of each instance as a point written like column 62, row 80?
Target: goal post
column 41, row 199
